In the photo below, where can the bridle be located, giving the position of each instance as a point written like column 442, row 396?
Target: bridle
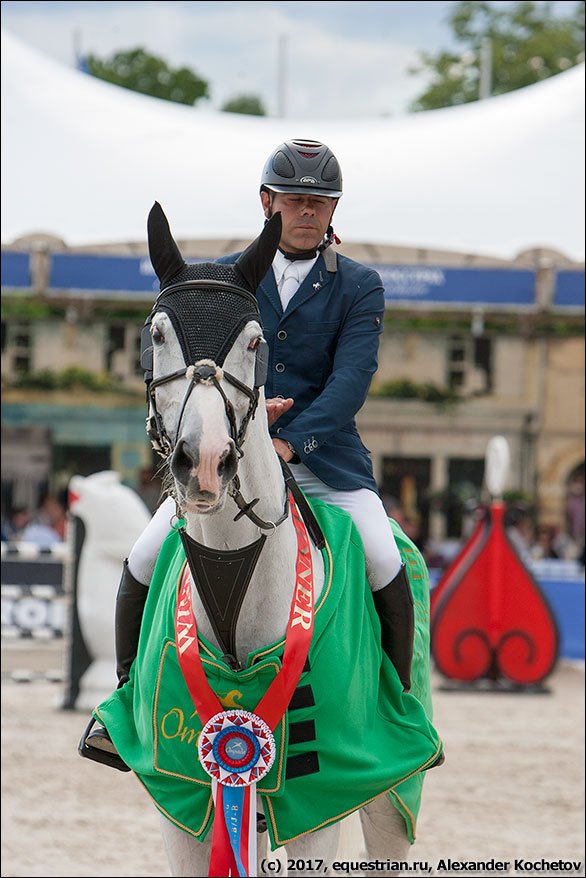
column 207, row 371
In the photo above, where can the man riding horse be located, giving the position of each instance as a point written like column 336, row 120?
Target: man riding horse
column 322, row 317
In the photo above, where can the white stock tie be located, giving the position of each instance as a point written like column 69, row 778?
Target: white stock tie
column 289, row 284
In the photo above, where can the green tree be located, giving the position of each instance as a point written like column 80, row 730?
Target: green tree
column 139, row 71
column 248, row 104
column 526, row 42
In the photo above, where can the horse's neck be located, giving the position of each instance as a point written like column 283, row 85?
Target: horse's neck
column 265, row 610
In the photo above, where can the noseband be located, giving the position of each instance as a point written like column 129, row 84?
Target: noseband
column 207, row 371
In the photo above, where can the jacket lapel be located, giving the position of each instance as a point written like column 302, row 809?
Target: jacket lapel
column 316, row 280
column 269, row 288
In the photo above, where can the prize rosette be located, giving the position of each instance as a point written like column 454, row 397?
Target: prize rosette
column 236, row 748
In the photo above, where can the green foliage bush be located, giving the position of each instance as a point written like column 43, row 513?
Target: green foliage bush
column 404, row 388
column 68, row 379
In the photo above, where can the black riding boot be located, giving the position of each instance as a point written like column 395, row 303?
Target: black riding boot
column 130, row 602
column 394, row 605
column 96, row 743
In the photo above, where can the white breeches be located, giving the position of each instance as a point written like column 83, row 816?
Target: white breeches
column 144, row 553
column 366, row 508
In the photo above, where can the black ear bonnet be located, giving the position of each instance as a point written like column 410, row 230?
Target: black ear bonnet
column 208, row 307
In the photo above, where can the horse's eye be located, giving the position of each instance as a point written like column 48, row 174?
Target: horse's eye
column 254, row 343
column 158, row 336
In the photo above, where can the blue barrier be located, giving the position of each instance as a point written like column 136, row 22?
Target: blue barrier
column 15, row 270
column 566, row 599
column 468, row 286
column 123, row 276
column 569, row 290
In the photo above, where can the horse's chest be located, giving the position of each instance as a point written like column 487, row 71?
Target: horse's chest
column 265, row 609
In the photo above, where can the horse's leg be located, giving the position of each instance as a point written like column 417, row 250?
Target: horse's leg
column 385, row 836
column 315, row 850
column 189, row 857
column 185, row 854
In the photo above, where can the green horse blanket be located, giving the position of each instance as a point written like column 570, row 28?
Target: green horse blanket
column 350, row 733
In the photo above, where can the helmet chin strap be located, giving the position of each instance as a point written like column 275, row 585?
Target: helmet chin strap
column 330, row 238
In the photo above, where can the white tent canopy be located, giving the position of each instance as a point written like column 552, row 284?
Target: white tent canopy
column 84, row 160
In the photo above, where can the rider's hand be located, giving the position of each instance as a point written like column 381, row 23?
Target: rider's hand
column 283, row 449
column 276, row 407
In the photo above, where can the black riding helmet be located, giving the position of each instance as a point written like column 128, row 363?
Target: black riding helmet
column 303, row 167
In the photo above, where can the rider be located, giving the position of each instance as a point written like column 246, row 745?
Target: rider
column 322, row 316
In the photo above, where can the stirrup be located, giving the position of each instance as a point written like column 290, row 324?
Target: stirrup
column 437, row 762
column 98, row 746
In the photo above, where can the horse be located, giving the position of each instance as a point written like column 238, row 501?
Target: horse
column 244, row 619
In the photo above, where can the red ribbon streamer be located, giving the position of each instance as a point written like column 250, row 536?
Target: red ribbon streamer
column 275, row 701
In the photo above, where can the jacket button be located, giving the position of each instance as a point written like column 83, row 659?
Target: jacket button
column 280, row 367
column 282, row 335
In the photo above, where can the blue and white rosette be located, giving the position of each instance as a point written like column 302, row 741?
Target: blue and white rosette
column 237, row 749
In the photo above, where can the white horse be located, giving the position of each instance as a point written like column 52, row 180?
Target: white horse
column 207, row 416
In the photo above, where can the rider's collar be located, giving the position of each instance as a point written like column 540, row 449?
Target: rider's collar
column 295, row 257
column 281, row 263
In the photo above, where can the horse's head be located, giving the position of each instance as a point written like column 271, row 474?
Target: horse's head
column 205, row 361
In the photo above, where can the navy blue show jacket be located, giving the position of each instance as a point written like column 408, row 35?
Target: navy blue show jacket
column 323, row 354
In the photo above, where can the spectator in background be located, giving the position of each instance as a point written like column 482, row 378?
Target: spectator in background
column 574, row 510
column 48, row 525
column 13, row 527
column 519, row 527
column 149, row 489
column 545, row 543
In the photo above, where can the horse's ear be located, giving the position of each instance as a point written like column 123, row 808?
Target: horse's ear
column 164, row 252
column 256, row 260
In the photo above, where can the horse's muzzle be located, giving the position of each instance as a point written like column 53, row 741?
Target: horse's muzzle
column 203, row 473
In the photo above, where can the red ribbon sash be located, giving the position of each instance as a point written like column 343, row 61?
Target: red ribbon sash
column 270, row 708
column 276, row 699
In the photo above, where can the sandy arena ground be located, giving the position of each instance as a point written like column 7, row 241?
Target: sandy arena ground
column 512, row 786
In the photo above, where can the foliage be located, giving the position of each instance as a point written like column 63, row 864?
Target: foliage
column 527, row 44
column 137, row 70
column 404, row 388
column 20, row 308
column 69, row 379
column 247, row 104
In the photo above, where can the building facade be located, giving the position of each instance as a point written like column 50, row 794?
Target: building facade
column 472, row 348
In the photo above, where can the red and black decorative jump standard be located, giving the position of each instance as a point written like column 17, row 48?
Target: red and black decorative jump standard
column 489, row 617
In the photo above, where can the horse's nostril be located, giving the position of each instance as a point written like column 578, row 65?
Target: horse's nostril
column 183, row 461
column 228, row 463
